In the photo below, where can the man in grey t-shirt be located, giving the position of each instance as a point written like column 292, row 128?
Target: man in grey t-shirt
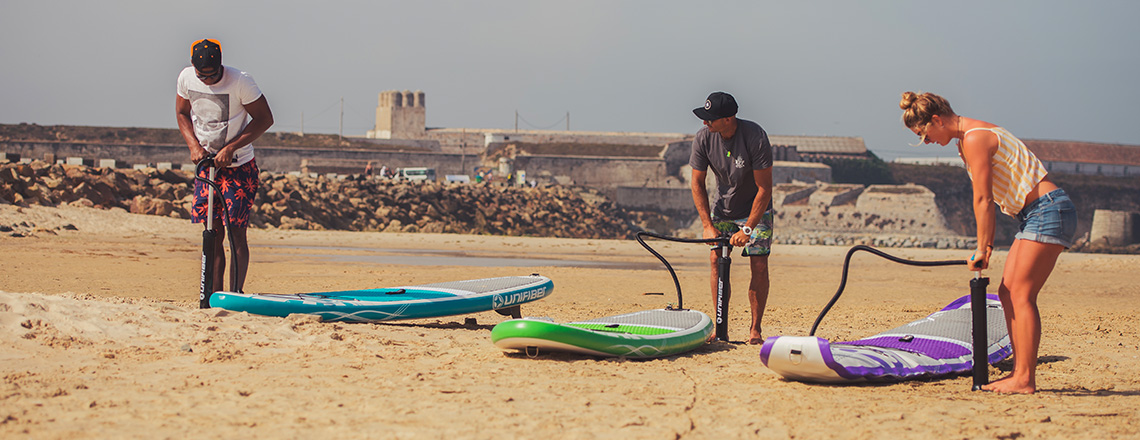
column 740, row 156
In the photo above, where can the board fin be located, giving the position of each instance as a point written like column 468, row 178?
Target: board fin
column 513, row 311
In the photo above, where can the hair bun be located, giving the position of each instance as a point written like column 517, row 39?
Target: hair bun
column 907, row 100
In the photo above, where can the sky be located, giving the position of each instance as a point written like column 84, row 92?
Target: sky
column 1044, row 69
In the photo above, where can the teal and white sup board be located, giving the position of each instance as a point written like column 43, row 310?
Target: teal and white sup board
column 645, row 334
column 396, row 303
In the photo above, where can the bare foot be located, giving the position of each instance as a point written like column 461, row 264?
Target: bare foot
column 1011, row 385
column 754, row 338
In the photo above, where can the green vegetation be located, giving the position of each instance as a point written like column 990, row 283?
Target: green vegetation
column 871, row 171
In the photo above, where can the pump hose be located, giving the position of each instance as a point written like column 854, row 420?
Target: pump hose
column 720, row 241
column 847, row 261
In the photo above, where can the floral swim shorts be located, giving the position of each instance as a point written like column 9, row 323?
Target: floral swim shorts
column 759, row 243
column 238, row 187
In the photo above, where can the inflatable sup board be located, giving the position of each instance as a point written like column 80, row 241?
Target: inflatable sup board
column 644, row 334
column 937, row 345
column 396, row 303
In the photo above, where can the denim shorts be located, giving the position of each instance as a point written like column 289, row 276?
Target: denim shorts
column 1051, row 219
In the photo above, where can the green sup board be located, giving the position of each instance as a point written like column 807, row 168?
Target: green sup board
column 645, row 334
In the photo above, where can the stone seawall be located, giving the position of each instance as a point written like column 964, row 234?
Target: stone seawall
column 603, row 173
column 359, row 204
column 824, row 214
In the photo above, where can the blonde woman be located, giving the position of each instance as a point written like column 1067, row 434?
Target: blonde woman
column 1007, row 175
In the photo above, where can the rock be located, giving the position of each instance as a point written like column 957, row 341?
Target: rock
column 394, row 226
column 83, row 202
column 293, row 223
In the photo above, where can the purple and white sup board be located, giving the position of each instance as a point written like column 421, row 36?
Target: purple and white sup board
column 937, row 345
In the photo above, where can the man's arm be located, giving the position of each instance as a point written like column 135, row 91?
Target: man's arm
column 763, row 196
column 186, row 127
column 262, row 119
column 701, row 201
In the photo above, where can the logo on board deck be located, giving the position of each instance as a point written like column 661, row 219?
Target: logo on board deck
column 500, row 301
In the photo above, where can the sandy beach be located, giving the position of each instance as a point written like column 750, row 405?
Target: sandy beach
column 102, row 338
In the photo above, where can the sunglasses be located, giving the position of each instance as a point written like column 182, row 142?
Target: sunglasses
column 925, row 130
column 217, row 73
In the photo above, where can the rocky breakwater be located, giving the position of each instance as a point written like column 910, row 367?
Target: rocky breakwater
column 358, row 204
column 147, row 191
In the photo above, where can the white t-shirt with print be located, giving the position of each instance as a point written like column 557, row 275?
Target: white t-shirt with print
column 218, row 111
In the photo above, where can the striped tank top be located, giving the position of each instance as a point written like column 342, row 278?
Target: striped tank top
column 1016, row 171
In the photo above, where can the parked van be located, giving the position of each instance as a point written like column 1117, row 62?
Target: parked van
column 417, row 174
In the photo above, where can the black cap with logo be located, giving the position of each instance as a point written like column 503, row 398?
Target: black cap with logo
column 718, row 105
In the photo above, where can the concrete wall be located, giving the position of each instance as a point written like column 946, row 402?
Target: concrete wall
column 890, row 209
column 423, row 144
column 595, row 171
column 800, row 207
column 787, row 172
column 679, row 197
column 588, row 171
column 453, row 140
column 124, row 155
column 835, row 195
column 667, row 200
column 458, row 140
column 274, row 159
column 1114, row 228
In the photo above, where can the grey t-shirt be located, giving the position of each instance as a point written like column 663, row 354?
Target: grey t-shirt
column 732, row 161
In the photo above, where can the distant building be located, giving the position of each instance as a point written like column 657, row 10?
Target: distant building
column 400, row 115
column 1087, row 157
column 819, row 148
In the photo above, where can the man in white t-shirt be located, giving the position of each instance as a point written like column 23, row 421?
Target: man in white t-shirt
column 220, row 112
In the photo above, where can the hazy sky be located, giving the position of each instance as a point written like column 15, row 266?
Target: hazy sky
column 1044, row 69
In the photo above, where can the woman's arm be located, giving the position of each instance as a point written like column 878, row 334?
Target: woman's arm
column 978, row 149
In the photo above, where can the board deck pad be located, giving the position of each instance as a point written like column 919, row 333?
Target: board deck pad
column 940, row 344
column 644, row 334
column 395, row 303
